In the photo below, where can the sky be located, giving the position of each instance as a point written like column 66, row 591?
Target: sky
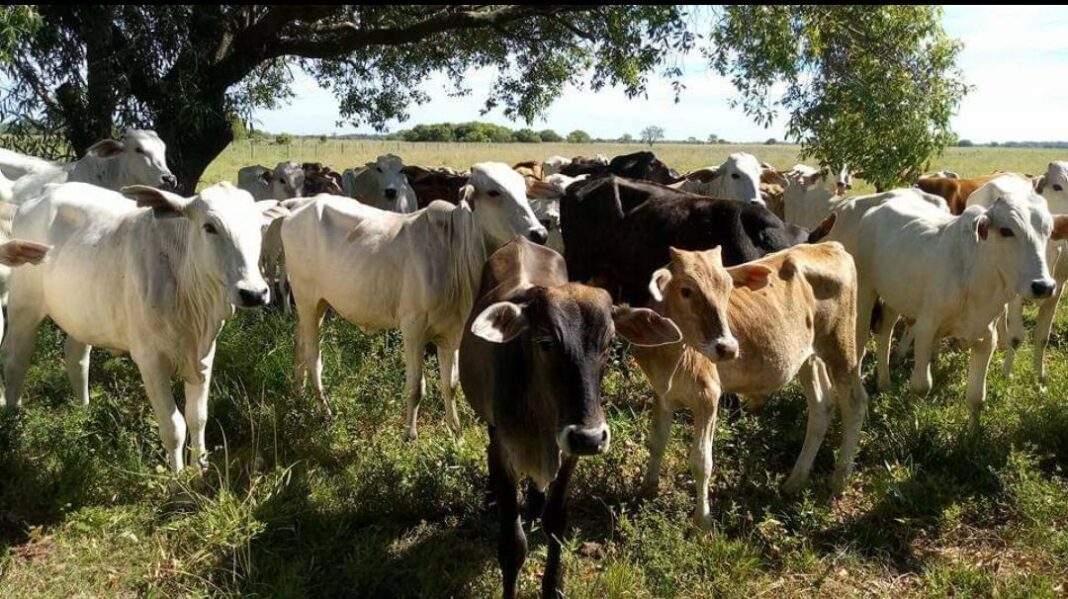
column 1015, row 57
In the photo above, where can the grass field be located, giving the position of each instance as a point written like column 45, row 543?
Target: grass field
column 297, row 505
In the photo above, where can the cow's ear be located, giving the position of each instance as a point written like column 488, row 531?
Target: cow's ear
column 982, row 227
column 658, row 283
column 644, row 327
column 814, row 178
column 1040, row 184
column 19, row 251
column 753, row 276
column 500, row 322
column 271, row 211
column 267, row 176
column 162, row 203
column 467, row 194
column 105, row 148
column 1060, row 227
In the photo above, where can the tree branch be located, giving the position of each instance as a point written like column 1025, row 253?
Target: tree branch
column 342, row 38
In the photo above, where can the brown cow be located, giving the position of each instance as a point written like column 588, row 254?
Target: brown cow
column 750, row 329
column 435, row 184
column 953, row 190
column 531, row 363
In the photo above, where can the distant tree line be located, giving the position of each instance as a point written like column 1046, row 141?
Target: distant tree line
column 477, row 132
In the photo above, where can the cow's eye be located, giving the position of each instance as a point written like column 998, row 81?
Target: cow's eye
column 210, row 229
column 283, row 180
column 139, row 150
column 1006, row 232
column 686, row 292
column 378, row 168
column 494, row 194
column 1057, row 187
column 735, row 175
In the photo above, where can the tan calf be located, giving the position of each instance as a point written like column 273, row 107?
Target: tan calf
column 751, row 329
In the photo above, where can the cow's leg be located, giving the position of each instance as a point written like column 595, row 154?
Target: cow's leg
column 1047, row 310
column 24, row 317
column 883, row 338
column 196, row 411
column 76, row 355
column 414, row 384
column 904, row 344
column 1014, row 332
column 866, row 299
column 283, row 283
column 853, row 405
column 308, row 361
column 450, row 377
column 659, row 434
column 156, row 375
column 704, row 422
column 554, row 521
column 924, row 332
column 816, row 430
column 511, row 542
column 978, row 363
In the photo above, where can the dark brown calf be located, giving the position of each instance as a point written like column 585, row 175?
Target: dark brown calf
column 531, row 362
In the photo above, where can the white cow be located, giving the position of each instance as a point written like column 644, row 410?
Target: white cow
column 812, row 194
column 738, row 178
column 553, row 164
column 155, row 277
column 1011, row 329
column 949, row 275
column 139, row 158
column 284, row 182
column 381, row 184
column 417, row 272
column 544, row 199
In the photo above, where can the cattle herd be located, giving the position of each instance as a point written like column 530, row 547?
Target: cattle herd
column 736, row 278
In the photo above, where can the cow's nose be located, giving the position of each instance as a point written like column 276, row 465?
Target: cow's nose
column 169, row 181
column 539, row 236
column 391, row 194
column 586, row 441
column 1042, row 288
column 252, row 298
column 724, row 349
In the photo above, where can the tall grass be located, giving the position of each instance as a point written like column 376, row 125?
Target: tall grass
column 296, row 504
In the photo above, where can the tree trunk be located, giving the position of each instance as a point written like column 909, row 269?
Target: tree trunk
column 194, row 141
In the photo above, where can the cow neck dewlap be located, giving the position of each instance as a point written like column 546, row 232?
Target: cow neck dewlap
column 200, row 296
column 463, row 243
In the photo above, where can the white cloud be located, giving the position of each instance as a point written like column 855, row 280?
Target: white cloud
column 1016, row 57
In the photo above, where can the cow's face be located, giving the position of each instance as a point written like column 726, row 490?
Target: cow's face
column 695, row 291
column 287, row 181
column 142, row 158
column 225, row 234
column 498, row 196
column 389, row 177
column 740, row 175
column 1054, row 186
column 566, row 334
column 844, row 181
column 1017, row 228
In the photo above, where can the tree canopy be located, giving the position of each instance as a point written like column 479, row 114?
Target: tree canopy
column 652, row 134
column 873, row 87
column 856, row 76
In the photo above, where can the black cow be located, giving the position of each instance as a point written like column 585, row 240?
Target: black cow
column 617, row 231
column 531, row 362
column 642, row 165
